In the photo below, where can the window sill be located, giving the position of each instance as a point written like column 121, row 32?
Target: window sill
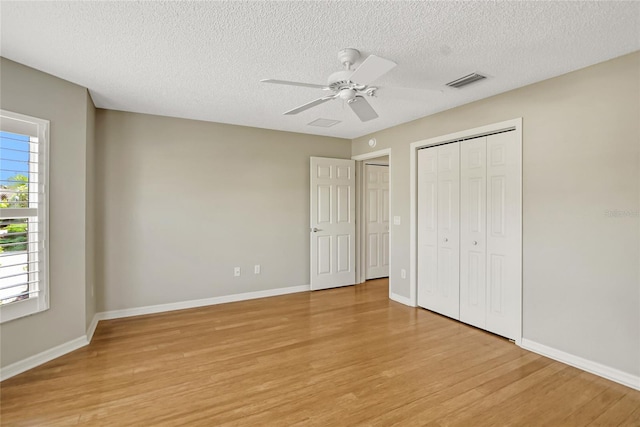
column 23, row 308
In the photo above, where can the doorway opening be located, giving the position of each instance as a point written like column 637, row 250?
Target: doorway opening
column 374, row 233
column 376, row 218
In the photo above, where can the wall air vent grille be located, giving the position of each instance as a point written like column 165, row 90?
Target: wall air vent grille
column 466, row 80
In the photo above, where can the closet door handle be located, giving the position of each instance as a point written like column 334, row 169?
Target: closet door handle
column 446, row 240
column 475, row 243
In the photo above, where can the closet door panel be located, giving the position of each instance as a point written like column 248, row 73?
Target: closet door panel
column 504, row 228
column 473, row 231
column 447, row 299
column 427, row 226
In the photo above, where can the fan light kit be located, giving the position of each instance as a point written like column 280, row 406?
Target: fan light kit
column 348, row 85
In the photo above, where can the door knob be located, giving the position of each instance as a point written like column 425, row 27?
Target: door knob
column 315, row 230
column 475, row 243
column 446, row 240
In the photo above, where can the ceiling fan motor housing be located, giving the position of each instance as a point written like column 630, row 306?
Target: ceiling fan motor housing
column 339, row 77
column 340, row 84
column 340, row 81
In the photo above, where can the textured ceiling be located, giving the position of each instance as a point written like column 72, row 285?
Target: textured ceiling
column 204, row 60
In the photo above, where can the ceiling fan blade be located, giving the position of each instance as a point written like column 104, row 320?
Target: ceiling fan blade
column 285, row 82
column 363, row 109
column 372, row 68
column 309, row 105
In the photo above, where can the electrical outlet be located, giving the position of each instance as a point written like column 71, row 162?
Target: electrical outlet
column 256, row 269
column 403, row 273
column 236, row 272
column 396, row 220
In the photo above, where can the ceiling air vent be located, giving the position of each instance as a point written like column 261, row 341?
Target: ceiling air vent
column 324, row 123
column 466, row 80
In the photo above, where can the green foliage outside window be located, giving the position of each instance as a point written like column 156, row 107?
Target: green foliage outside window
column 15, row 195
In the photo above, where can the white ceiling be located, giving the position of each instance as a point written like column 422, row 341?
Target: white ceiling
column 204, row 60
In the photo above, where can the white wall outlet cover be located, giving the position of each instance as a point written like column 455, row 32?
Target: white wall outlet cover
column 236, row 271
column 403, row 273
column 256, row 269
column 396, row 220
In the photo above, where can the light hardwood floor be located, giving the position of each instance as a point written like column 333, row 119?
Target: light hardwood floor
column 341, row 357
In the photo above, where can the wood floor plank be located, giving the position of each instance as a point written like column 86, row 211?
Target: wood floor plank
column 593, row 408
column 340, row 357
column 621, row 413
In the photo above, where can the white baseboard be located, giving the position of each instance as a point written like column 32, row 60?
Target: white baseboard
column 40, row 358
column 599, row 369
column 92, row 327
column 160, row 308
column 400, row 299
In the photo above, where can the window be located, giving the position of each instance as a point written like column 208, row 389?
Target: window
column 23, row 215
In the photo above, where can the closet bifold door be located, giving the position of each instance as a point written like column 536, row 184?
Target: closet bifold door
column 473, row 231
column 427, row 226
column 439, row 229
column 504, row 227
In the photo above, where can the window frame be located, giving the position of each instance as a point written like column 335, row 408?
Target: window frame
column 39, row 128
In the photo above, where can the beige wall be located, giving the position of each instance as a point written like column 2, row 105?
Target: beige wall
column 183, row 202
column 27, row 91
column 581, row 158
column 90, row 216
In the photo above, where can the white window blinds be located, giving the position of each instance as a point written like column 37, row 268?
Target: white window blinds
column 23, row 215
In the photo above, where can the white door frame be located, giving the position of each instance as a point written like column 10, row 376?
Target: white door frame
column 516, row 125
column 360, row 224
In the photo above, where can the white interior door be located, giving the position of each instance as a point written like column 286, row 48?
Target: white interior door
column 332, row 223
column 439, row 229
column 377, row 221
column 473, row 231
column 504, row 234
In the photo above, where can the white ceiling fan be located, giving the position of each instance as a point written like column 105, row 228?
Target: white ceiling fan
column 349, row 85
